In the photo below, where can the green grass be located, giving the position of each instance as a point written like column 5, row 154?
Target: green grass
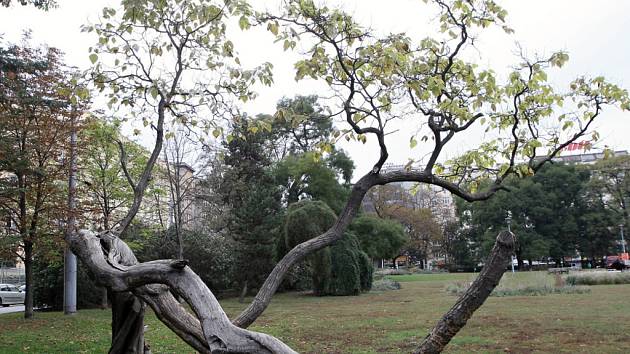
column 430, row 277
column 379, row 322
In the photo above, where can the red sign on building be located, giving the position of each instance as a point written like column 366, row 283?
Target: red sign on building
column 582, row 145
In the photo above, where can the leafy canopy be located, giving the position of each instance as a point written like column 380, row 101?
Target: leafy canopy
column 438, row 93
column 173, row 57
column 379, row 238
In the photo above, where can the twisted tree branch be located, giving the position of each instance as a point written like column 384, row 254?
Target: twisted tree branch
column 217, row 335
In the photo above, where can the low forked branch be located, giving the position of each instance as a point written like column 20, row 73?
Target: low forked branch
column 219, row 335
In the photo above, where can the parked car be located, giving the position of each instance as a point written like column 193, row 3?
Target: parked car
column 10, row 294
column 22, row 288
column 615, row 263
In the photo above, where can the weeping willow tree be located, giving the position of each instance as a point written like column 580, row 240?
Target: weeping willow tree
column 172, row 60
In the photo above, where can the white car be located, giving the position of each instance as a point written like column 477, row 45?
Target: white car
column 10, row 294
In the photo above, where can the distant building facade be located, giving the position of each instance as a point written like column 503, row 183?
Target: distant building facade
column 585, row 158
column 418, row 196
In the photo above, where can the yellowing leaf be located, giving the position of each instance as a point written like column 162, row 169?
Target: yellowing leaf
column 273, row 28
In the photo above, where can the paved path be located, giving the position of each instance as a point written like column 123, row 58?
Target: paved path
column 12, row 308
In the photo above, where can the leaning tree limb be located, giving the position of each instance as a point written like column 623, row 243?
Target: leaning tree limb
column 299, row 252
column 102, row 255
column 473, row 298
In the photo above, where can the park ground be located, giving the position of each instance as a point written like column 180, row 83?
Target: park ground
column 378, row 322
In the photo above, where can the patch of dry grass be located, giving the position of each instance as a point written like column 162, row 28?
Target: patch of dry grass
column 598, row 278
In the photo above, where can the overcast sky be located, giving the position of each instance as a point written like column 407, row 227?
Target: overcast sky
column 594, row 32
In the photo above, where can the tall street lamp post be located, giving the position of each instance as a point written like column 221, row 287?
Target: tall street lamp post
column 508, row 219
column 623, row 242
column 70, row 260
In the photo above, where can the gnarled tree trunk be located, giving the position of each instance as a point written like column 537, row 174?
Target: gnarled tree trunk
column 473, row 298
column 209, row 331
column 127, row 309
column 128, row 324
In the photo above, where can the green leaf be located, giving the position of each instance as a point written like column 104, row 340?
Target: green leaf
column 243, row 23
column 154, row 92
column 216, row 133
column 228, row 50
column 413, row 142
column 93, row 58
column 266, row 126
column 83, row 93
column 567, row 125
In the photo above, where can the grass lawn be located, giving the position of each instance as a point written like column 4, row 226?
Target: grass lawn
column 378, row 322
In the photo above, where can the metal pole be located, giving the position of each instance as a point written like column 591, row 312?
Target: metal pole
column 512, row 259
column 623, row 242
column 509, row 223
column 70, row 260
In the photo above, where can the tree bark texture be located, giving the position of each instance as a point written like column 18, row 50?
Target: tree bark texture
column 208, row 331
column 473, row 298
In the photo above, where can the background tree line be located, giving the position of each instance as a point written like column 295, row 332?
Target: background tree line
column 252, row 188
column 563, row 211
